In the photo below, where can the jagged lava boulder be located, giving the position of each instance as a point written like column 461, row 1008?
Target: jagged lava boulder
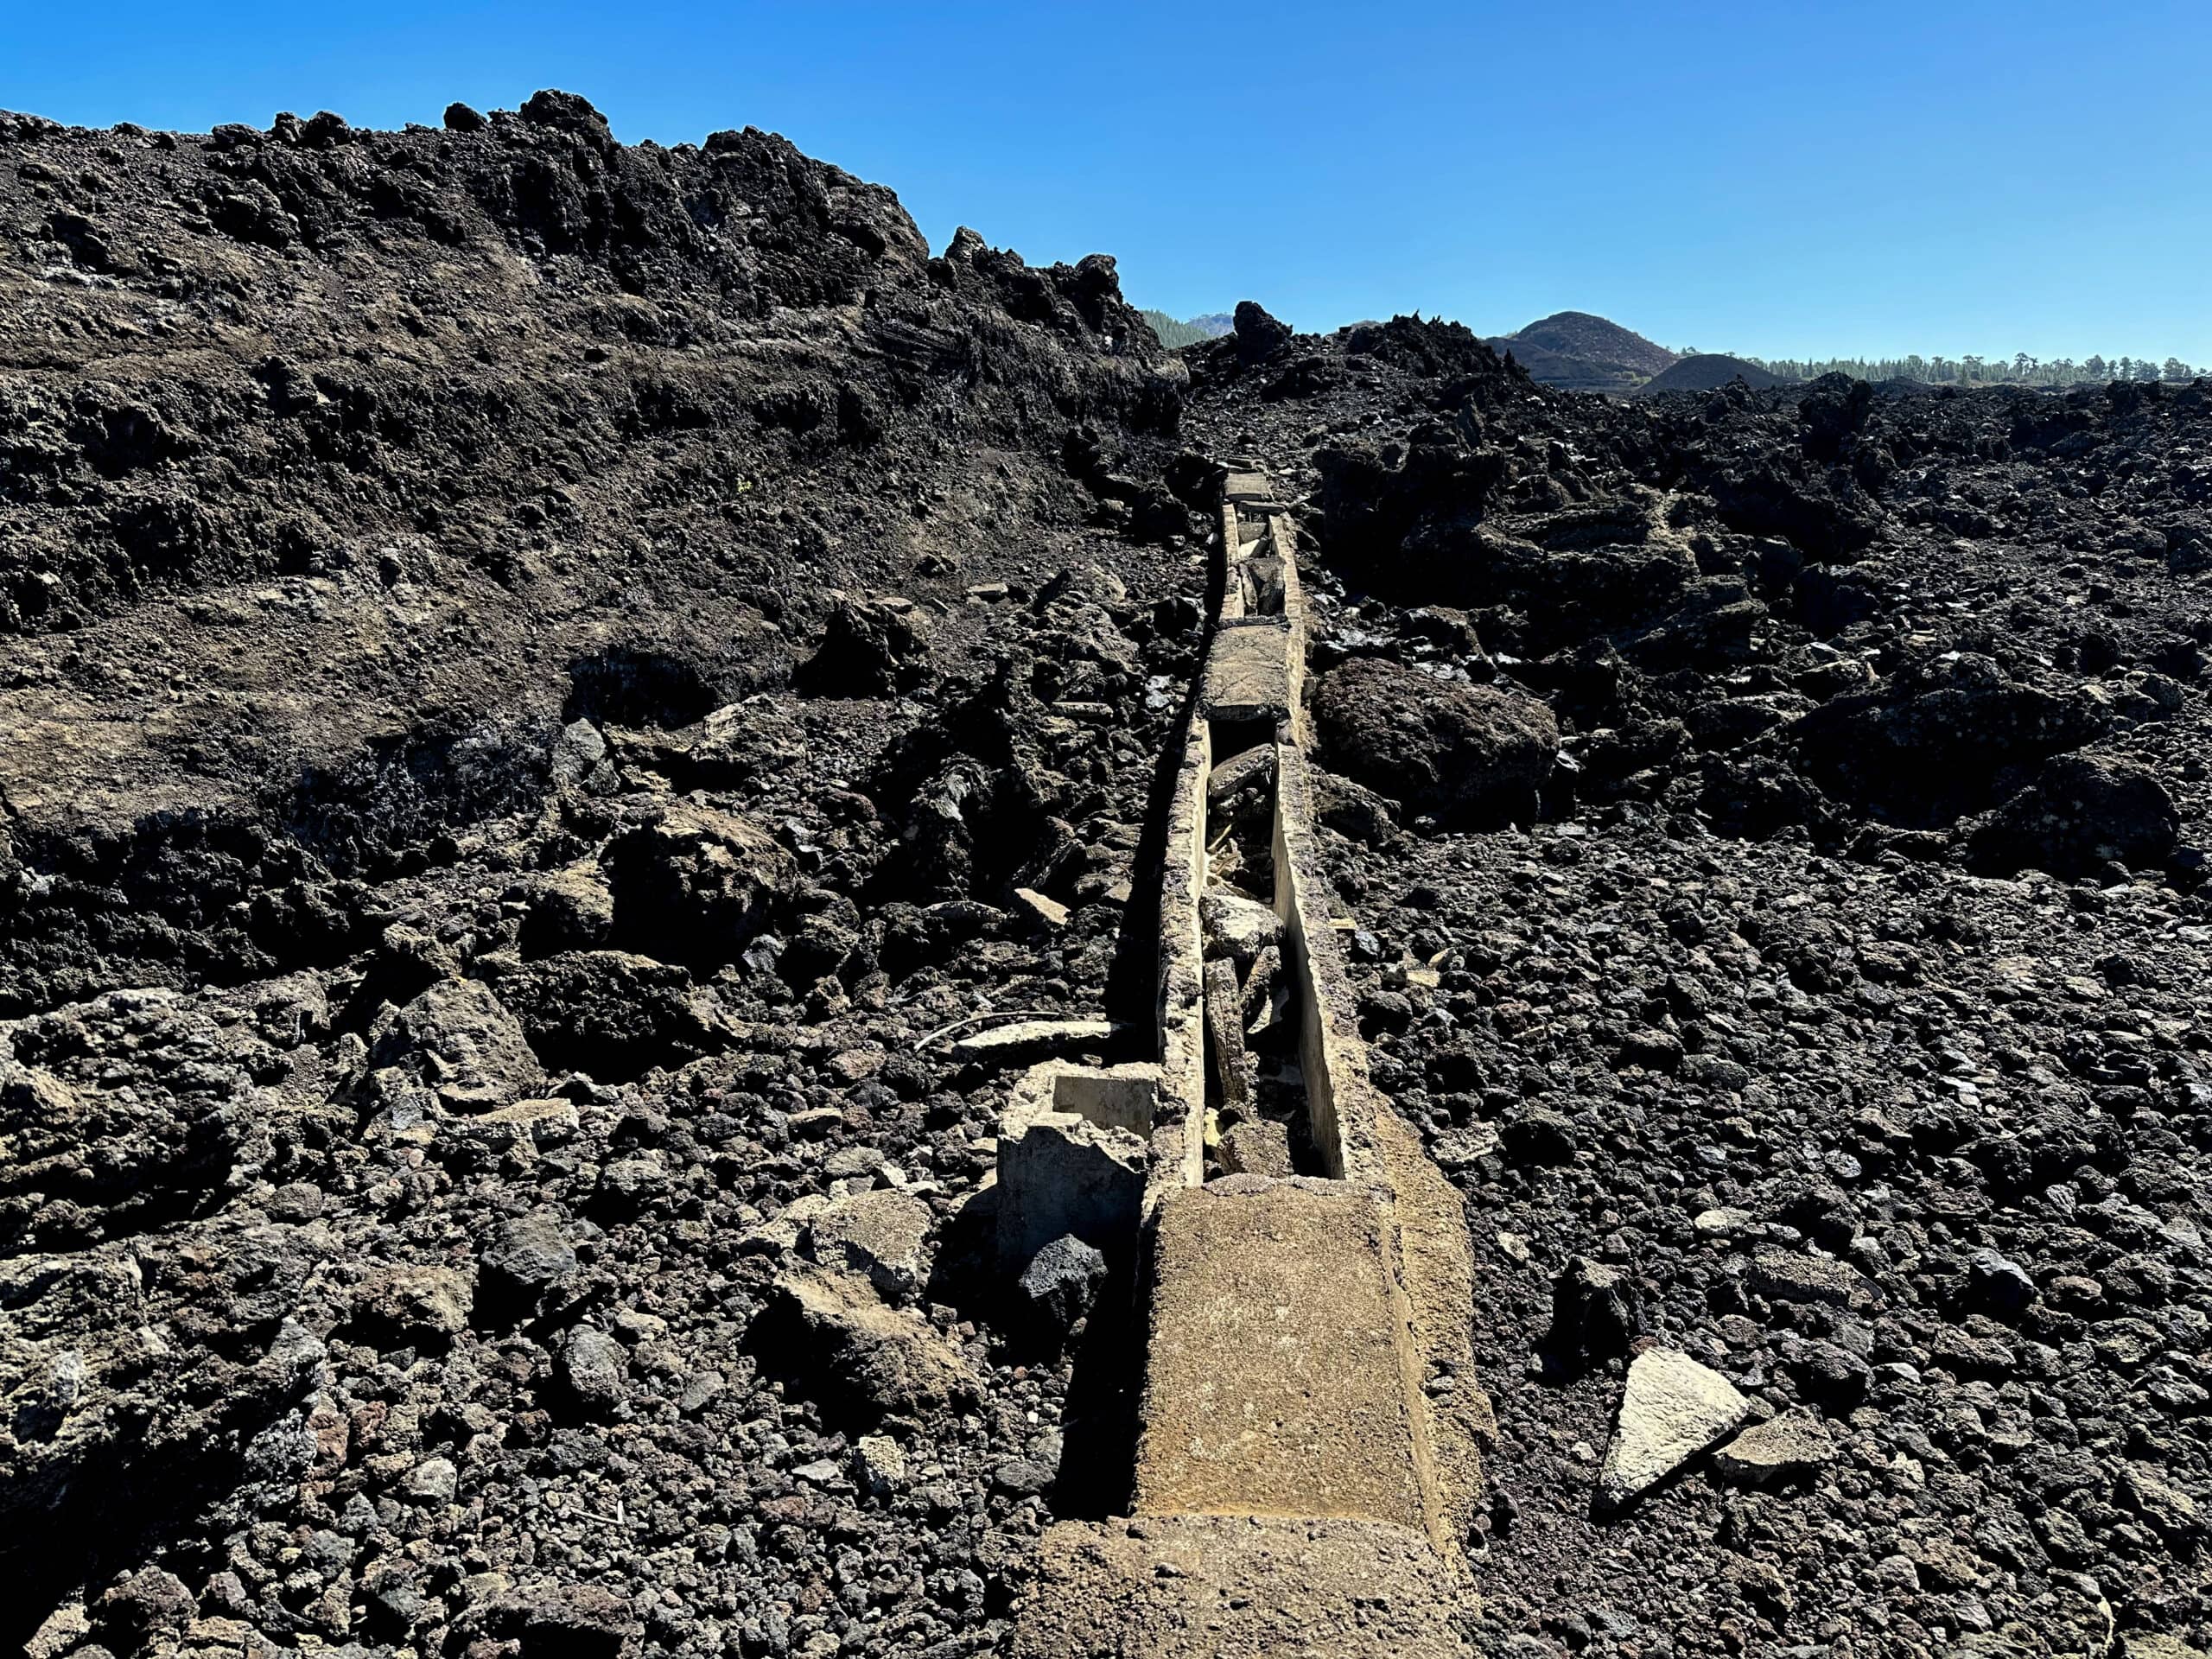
column 1464, row 752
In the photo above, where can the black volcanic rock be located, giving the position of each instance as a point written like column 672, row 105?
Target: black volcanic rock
column 475, row 971
column 1468, row 752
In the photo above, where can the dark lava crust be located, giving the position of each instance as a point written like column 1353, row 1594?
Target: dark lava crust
column 535, row 678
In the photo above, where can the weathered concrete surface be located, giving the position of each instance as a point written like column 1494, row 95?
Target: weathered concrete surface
column 1238, row 927
column 1180, row 1143
column 1225, row 1034
column 1257, row 1147
column 882, row 1233
column 1248, row 673
column 1029, row 1037
column 1672, row 1409
column 1073, row 1150
column 1274, row 1383
column 1239, row 1587
column 1310, row 1427
column 1342, row 1102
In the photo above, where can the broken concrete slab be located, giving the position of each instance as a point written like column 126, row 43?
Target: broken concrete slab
column 1030, row 1038
column 1274, row 1383
column 1248, row 673
column 1261, row 578
column 1050, row 911
column 882, row 1233
column 1264, row 999
column 1073, row 1154
column 1255, row 765
column 1792, row 1446
column 1673, row 1409
column 1224, row 1012
column 1256, row 1147
column 1237, row 927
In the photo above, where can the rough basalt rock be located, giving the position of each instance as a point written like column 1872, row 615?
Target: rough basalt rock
column 1470, row 753
column 2081, row 813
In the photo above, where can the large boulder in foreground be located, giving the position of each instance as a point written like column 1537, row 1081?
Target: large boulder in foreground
column 461, row 1042
column 1463, row 753
column 692, row 884
column 2082, row 812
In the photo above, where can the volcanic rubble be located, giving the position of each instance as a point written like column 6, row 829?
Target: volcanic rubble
column 540, row 674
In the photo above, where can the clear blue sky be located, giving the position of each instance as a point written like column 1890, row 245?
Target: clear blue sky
column 1778, row 178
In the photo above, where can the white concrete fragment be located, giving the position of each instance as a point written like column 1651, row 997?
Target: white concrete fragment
column 1673, row 1409
column 1050, row 911
column 1042, row 1036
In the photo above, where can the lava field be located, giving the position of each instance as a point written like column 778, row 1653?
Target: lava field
column 545, row 687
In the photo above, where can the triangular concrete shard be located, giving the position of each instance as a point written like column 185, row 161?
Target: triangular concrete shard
column 1672, row 1409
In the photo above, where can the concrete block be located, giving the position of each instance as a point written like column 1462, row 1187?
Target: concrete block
column 1248, row 673
column 1256, row 1147
column 1273, row 1381
column 1073, row 1154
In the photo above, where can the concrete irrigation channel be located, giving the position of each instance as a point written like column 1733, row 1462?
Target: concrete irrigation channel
column 1306, row 1457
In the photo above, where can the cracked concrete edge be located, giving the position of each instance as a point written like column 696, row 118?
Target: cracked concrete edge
column 1232, row 595
column 1178, row 1142
column 1239, row 1587
column 1285, row 540
column 1439, row 1276
column 1330, row 1053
